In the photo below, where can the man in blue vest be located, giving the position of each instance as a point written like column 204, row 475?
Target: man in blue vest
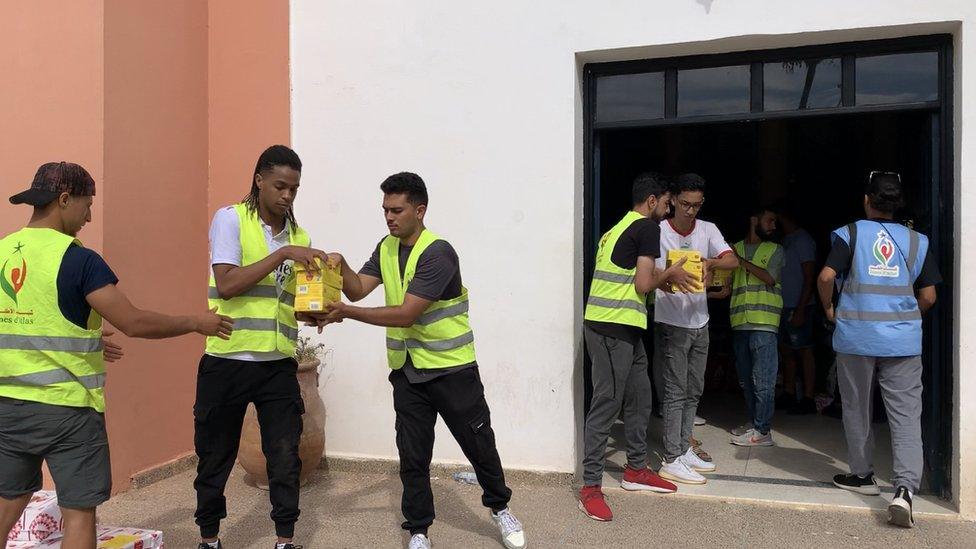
column 887, row 279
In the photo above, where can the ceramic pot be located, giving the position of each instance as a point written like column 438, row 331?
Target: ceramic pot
column 312, row 445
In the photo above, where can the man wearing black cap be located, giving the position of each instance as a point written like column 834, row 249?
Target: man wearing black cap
column 54, row 293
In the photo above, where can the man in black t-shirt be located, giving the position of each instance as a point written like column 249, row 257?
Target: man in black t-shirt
column 432, row 373
column 616, row 316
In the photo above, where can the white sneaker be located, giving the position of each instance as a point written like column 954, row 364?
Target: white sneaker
column 699, row 421
column 678, row 471
column 513, row 536
column 741, row 429
column 419, row 541
column 696, row 463
column 753, row 437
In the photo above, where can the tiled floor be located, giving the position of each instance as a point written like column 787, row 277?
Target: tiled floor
column 809, row 451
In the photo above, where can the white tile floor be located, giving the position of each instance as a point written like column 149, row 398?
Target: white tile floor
column 809, row 451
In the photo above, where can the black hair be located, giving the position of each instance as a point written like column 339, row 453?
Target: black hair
column 788, row 209
column 688, row 182
column 406, row 183
column 884, row 192
column 648, row 184
column 275, row 155
column 759, row 209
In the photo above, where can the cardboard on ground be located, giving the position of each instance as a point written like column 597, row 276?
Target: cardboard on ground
column 314, row 291
column 693, row 265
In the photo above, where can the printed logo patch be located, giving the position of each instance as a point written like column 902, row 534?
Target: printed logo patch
column 884, row 252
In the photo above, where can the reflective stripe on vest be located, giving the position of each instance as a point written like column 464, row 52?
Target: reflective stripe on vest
column 753, row 301
column 613, row 297
column 44, row 357
column 263, row 320
column 441, row 337
column 877, row 313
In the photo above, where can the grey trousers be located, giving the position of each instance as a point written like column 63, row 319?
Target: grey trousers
column 684, row 354
column 619, row 379
column 900, row 379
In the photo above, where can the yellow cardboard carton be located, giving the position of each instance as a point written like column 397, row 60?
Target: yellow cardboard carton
column 315, row 291
column 721, row 278
column 693, row 265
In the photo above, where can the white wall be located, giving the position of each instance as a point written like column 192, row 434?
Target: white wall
column 483, row 101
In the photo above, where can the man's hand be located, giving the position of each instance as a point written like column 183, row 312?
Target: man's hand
column 305, row 256
column 725, row 292
column 319, row 320
column 335, row 259
column 799, row 317
column 685, row 281
column 829, row 312
column 212, row 324
column 111, row 351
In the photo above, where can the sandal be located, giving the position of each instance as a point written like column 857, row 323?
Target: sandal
column 697, row 449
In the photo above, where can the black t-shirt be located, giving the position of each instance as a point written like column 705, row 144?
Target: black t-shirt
column 641, row 238
column 437, row 278
column 840, row 257
column 82, row 272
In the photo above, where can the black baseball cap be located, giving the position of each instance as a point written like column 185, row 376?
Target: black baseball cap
column 55, row 178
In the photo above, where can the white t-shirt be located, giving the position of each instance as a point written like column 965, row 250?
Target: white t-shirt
column 225, row 248
column 680, row 309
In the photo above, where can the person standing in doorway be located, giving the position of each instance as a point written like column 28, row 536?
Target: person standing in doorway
column 796, row 331
column 53, row 353
column 754, row 312
column 430, row 350
column 614, row 321
column 887, row 282
column 253, row 247
column 681, row 328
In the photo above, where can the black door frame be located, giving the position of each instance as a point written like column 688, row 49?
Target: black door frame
column 939, row 402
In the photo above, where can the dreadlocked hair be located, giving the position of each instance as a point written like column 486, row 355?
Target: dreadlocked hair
column 275, row 155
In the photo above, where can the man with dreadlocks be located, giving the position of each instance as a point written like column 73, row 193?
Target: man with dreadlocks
column 253, row 246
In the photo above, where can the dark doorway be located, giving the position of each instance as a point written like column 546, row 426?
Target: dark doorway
column 804, row 124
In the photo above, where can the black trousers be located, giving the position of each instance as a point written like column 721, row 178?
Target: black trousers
column 224, row 389
column 460, row 400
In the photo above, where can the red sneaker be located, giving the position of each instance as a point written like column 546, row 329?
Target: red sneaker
column 645, row 479
column 593, row 505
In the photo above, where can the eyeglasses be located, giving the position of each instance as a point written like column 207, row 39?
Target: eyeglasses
column 879, row 172
column 689, row 206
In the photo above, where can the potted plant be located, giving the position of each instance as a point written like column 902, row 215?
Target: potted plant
column 312, row 445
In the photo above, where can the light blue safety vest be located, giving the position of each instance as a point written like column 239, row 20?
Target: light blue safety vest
column 878, row 314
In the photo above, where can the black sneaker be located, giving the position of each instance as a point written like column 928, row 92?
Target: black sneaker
column 900, row 508
column 289, row 546
column 862, row 485
column 208, row 546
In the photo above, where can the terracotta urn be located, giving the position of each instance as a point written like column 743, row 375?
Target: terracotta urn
column 312, row 445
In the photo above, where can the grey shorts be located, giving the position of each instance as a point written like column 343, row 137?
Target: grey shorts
column 74, row 443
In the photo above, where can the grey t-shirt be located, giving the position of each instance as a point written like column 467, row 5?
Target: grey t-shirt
column 437, row 278
column 774, row 269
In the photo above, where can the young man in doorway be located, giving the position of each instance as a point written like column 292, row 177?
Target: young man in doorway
column 430, row 350
column 615, row 319
column 796, row 330
column 755, row 317
column 253, row 247
column 887, row 279
column 52, row 368
column 681, row 328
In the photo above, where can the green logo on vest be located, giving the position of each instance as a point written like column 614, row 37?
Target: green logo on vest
column 11, row 284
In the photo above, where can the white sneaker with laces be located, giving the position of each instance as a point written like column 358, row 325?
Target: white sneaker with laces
column 753, row 437
column 513, row 536
column 696, row 463
column 419, row 541
column 678, row 471
column 699, row 421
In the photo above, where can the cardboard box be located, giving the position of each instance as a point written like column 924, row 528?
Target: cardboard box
column 108, row 538
column 314, row 291
column 40, row 521
column 693, row 265
column 721, row 277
